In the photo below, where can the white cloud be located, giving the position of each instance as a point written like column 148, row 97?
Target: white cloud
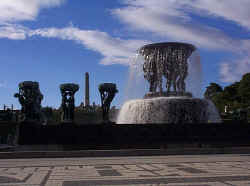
column 22, row 10
column 14, row 32
column 233, row 71
column 113, row 50
column 170, row 19
column 14, row 11
column 236, row 11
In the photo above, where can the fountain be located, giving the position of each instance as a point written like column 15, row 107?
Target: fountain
column 174, row 105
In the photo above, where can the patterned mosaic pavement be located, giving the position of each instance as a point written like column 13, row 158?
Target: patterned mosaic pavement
column 187, row 170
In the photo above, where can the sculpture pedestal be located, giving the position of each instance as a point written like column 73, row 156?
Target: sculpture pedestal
column 168, row 110
column 67, row 122
column 30, row 122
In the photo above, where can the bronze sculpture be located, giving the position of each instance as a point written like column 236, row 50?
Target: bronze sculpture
column 167, row 60
column 30, row 98
column 107, row 92
column 68, row 91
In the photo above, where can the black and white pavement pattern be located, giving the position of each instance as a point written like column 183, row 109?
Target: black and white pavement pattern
column 188, row 170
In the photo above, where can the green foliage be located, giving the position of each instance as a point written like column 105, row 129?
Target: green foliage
column 82, row 116
column 212, row 90
column 52, row 115
column 244, row 89
column 231, row 92
column 219, row 101
column 235, row 96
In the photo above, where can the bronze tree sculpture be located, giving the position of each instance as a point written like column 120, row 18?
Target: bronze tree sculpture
column 30, row 98
column 68, row 91
column 107, row 92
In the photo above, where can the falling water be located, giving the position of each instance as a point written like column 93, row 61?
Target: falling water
column 168, row 110
column 137, row 86
column 181, row 109
column 194, row 78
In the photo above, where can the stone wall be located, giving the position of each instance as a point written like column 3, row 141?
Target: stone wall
column 8, row 132
column 135, row 136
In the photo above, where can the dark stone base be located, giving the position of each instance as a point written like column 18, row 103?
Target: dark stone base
column 30, row 122
column 67, row 122
column 135, row 136
column 167, row 94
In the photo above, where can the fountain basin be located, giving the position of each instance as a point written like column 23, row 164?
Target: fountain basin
column 167, row 94
column 163, row 110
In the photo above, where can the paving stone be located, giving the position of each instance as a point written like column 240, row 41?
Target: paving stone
column 192, row 170
column 109, row 173
column 132, row 171
column 4, row 179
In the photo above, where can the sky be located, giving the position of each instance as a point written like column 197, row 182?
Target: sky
column 57, row 41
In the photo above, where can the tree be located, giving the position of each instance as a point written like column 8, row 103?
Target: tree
column 236, row 95
column 212, row 90
column 231, row 92
column 244, row 89
column 48, row 112
column 232, row 97
column 219, row 101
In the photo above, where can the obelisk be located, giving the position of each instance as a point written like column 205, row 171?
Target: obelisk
column 86, row 89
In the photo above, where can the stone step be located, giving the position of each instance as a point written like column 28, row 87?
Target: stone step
column 123, row 152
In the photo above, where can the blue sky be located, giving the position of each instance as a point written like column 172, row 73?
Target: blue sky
column 57, row 41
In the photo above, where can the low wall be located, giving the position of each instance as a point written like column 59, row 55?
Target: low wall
column 135, row 136
column 7, row 130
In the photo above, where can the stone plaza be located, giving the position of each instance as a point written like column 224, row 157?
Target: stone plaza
column 195, row 170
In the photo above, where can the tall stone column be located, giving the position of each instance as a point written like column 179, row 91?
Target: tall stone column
column 86, row 89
